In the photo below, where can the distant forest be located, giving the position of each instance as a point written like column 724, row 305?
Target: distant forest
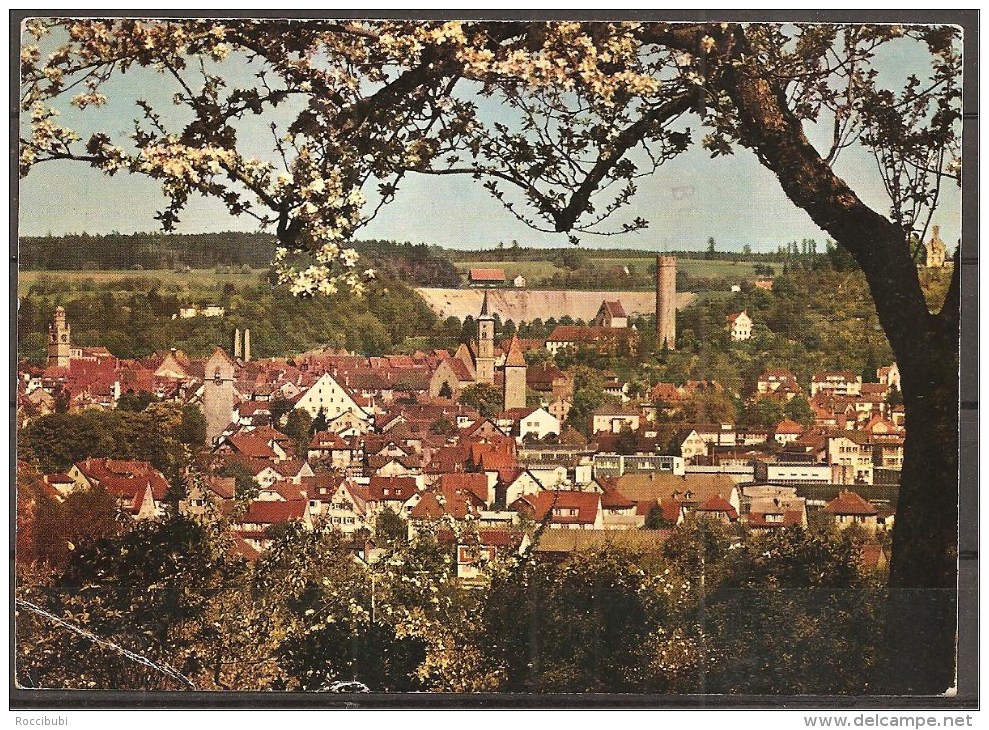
column 413, row 263
column 82, row 251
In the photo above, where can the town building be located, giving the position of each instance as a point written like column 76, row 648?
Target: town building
column 739, row 326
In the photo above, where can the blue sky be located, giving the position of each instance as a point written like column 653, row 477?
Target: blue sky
column 734, row 199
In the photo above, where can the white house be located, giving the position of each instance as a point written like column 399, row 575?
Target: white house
column 889, row 376
column 519, row 282
column 691, row 444
column 538, row 422
column 739, row 326
column 837, row 382
column 523, row 485
column 615, row 419
column 327, row 395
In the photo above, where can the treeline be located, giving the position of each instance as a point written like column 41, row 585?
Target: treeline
column 413, row 263
column 163, row 434
column 115, row 251
column 138, row 322
column 525, row 253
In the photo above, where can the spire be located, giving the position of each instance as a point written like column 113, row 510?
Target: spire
column 514, row 358
column 485, row 312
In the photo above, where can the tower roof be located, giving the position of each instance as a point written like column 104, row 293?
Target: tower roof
column 514, row 358
column 485, row 311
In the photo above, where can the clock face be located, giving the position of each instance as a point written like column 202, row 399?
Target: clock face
column 65, row 338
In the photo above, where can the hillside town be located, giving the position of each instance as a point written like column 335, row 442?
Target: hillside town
column 389, row 441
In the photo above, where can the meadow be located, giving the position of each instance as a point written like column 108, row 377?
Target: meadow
column 533, row 271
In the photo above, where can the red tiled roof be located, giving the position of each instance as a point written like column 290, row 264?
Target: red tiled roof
column 613, row 499
column 487, row 274
column 327, row 440
column 514, row 357
column 474, row 483
column 289, row 467
column 788, row 427
column 456, row 504
column 586, row 504
column 399, row 488
column 223, row 487
column 487, row 538
column 251, row 446
column 718, row 504
column 615, row 309
column 665, row 392
column 287, row 491
column 850, row 503
column 671, row 509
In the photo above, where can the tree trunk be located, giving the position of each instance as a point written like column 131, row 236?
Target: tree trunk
column 922, row 621
column 921, row 630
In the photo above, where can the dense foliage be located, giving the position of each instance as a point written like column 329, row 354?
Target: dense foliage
column 713, row 610
column 134, row 317
column 163, row 434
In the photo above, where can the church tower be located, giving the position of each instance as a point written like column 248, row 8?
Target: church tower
column 58, row 340
column 485, row 344
column 514, row 393
column 935, row 252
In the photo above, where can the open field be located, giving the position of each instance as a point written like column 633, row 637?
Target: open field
column 520, row 305
column 535, row 270
column 531, row 270
column 168, row 279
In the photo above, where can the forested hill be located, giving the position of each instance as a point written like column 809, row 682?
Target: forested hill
column 416, row 264
column 82, row 251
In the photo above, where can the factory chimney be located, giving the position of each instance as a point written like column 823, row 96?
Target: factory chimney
column 247, row 345
column 237, row 345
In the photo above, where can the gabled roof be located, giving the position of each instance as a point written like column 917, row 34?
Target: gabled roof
column 399, row 488
column 614, row 499
column 692, row 488
column 250, row 446
column 474, row 483
column 850, row 503
column 665, row 392
column 788, row 427
column 615, row 308
column 718, row 504
column 270, row 513
column 486, row 275
column 587, row 505
column 434, row 505
column 286, row 490
column 289, row 467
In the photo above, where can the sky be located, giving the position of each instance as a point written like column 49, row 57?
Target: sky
column 686, row 201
